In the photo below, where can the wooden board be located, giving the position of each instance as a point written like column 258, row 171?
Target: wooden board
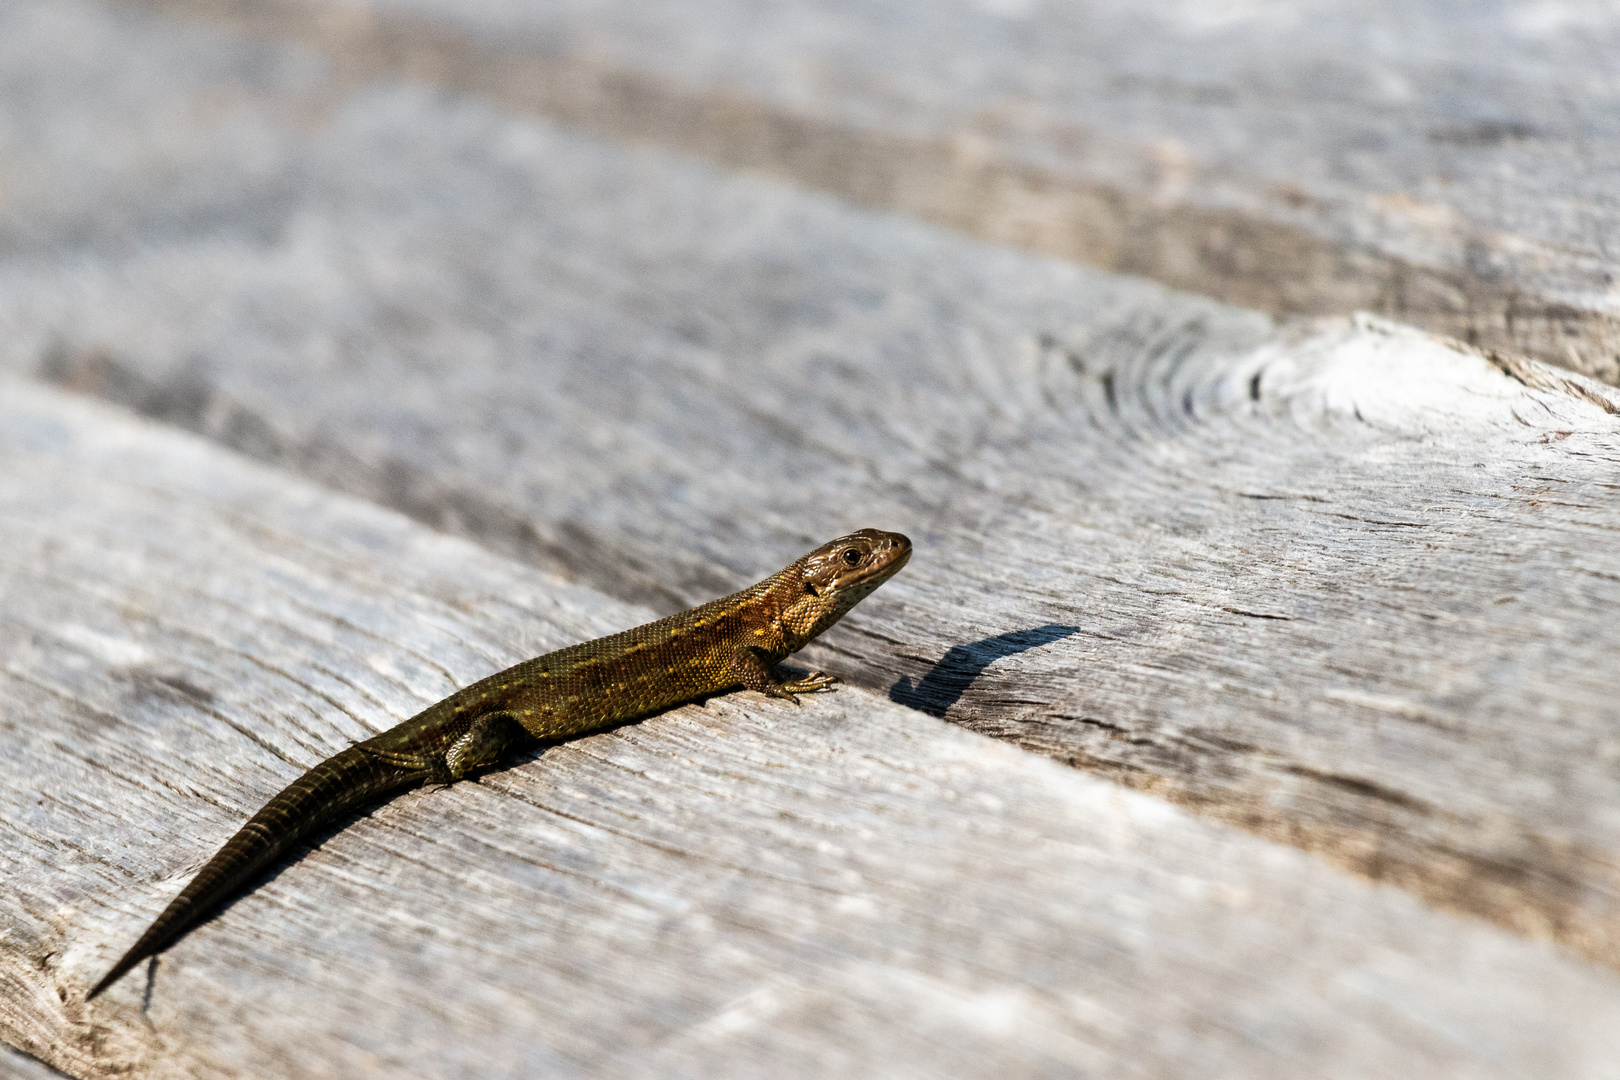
column 1341, row 584
column 740, row 889
column 15, row 1065
column 1449, row 166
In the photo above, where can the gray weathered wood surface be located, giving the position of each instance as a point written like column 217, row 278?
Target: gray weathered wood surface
column 740, row 889
column 16, row 1065
column 1341, row 584
column 1452, row 165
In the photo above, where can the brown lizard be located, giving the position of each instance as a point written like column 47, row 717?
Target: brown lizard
column 732, row 642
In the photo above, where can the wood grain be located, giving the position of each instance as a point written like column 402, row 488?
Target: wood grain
column 15, row 1065
column 734, row 889
column 1342, row 584
column 1452, row 167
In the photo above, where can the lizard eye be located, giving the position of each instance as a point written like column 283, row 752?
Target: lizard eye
column 852, row 556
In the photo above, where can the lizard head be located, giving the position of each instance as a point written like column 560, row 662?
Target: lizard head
column 835, row 577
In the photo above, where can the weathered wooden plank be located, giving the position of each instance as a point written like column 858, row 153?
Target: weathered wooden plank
column 734, row 889
column 1452, row 167
column 1347, row 587
column 15, row 1065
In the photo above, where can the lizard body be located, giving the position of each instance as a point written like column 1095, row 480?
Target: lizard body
column 735, row 641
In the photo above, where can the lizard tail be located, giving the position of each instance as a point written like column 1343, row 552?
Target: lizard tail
column 343, row 782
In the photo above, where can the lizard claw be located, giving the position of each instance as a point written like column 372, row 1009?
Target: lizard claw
column 783, row 691
column 813, row 683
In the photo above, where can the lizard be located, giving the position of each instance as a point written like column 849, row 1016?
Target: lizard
column 735, row 641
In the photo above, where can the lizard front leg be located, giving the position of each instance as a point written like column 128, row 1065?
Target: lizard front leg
column 755, row 670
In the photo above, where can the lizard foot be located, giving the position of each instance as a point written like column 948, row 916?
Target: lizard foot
column 813, row 683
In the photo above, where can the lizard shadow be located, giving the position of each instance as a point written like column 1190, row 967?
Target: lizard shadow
column 952, row 674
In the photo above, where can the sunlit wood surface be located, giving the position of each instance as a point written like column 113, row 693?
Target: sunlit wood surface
column 1246, row 709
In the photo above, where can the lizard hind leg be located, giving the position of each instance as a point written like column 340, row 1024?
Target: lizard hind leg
column 489, row 739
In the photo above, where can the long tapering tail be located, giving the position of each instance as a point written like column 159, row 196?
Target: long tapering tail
column 343, row 782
